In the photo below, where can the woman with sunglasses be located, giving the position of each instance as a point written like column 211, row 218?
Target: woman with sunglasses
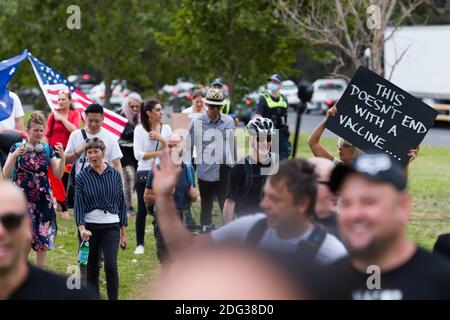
column 149, row 138
column 101, row 216
column 27, row 165
column 60, row 124
column 347, row 152
column 130, row 109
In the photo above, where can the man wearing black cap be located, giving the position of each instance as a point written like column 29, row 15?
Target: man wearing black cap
column 273, row 105
column 383, row 263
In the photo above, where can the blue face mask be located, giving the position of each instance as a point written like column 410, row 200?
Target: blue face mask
column 272, row 87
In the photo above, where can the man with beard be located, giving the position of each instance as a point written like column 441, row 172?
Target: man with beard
column 383, row 263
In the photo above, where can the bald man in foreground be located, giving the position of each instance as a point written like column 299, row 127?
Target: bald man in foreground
column 19, row 280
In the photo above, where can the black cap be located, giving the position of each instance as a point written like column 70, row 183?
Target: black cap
column 377, row 167
column 276, row 77
column 217, row 82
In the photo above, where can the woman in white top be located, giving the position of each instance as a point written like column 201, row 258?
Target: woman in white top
column 149, row 138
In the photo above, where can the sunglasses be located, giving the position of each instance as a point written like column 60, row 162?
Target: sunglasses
column 327, row 183
column 267, row 139
column 11, row 221
column 214, row 106
column 96, row 139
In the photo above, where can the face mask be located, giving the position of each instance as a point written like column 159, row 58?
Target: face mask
column 272, row 87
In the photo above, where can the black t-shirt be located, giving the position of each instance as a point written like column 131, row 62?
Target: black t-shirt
column 424, row 276
column 43, row 285
column 277, row 115
column 246, row 191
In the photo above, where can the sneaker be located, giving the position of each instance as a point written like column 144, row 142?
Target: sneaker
column 139, row 250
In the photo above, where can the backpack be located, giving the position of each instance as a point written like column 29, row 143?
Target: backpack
column 13, row 176
column 306, row 249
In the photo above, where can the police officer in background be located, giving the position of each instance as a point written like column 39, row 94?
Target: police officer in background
column 227, row 108
column 273, row 105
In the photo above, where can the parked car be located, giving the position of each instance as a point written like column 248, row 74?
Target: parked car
column 84, row 82
column 326, row 93
column 290, row 90
column 181, row 96
column 247, row 106
column 119, row 92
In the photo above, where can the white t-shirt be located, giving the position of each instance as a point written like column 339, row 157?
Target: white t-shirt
column 17, row 112
column 100, row 217
column 143, row 144
column 192, row 114
column 330, row 250
column 76, row 140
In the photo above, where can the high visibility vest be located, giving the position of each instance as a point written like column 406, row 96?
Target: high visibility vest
column 272, row 104
column 226, row 107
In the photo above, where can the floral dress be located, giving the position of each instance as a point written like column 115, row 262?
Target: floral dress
column 30, row 174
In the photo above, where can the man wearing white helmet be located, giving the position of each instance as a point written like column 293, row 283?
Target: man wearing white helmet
column 248, row 176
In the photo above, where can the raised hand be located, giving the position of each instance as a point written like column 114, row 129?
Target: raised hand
column 331, row 112
column 166, row 176
column 413, row 154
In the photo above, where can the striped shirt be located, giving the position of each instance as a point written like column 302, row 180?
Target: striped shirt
column 99, row 191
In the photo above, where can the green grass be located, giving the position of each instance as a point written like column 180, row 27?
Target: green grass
column 429, row 184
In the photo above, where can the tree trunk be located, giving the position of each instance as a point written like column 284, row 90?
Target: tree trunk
column 377, row 52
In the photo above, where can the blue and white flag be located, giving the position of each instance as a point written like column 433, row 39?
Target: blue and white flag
column 7, row 69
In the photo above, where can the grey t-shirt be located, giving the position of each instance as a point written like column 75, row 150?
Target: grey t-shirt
column 330, row 250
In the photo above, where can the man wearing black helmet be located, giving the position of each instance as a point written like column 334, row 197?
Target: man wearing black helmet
column 248, row 176
column 273, row 105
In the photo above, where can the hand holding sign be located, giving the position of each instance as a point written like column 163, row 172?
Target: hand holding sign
column 375, row 115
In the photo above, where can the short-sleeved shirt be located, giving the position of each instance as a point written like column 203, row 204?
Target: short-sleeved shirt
column 76, row 140
column 143, row 144
column 424, row 276
column 246, row 191
column 17, row 112
column 181, row 194
column 237, row 230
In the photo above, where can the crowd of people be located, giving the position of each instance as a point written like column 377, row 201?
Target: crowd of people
column 292, row 228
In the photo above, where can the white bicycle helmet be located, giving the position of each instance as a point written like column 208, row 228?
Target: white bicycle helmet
column 261, row 125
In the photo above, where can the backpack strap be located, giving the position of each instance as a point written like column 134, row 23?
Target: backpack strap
column 256, row 233
column 309, row 248
column 13, row 176
column 47, row 152
column 248, row 171
column 83, row 132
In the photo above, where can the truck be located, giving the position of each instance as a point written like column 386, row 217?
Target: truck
column 417, row 59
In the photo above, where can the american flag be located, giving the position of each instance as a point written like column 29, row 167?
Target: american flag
column 51, row 82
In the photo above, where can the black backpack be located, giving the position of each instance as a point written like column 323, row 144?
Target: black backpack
column 307, row 249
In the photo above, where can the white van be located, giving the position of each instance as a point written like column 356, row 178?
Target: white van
column 326, row 93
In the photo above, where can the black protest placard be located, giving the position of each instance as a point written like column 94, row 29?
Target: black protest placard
column 377, row 116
